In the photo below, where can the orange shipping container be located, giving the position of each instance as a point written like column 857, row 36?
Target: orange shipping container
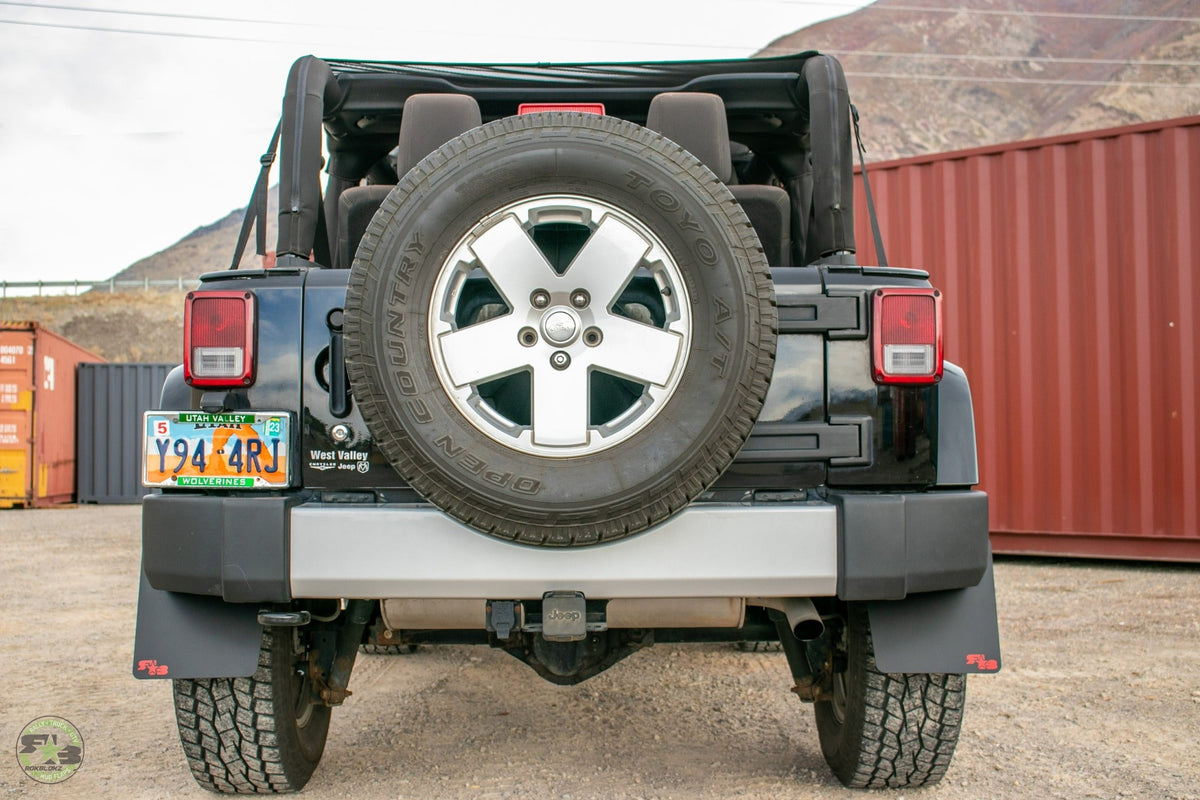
column 37, row 415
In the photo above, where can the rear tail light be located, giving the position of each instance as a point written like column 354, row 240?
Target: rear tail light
column 218, row 339
column 907, row 340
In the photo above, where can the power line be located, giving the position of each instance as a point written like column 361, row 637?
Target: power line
column 258, row 40
column 322, row 26
column 135, row 31
column 1013, row 59
column 996, row 12
column 1039, row 81
column 160, row 14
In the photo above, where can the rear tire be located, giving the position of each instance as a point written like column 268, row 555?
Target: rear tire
column 258, row 735
column 884, row 730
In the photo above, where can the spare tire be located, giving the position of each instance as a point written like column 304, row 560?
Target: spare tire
column 560, row 328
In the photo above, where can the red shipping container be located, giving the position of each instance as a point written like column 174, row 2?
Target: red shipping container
column 37, row 415
column 1069, row 267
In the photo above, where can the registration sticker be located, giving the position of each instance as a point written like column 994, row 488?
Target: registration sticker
column 233, row 450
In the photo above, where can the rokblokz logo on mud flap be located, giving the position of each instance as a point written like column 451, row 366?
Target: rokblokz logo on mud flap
column 50, row 750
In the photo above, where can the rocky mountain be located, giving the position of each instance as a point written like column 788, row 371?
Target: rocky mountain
column 942, row 75
column 951, row 74
column 209, row 248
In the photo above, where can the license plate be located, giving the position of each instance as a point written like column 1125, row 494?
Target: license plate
column 235, row 450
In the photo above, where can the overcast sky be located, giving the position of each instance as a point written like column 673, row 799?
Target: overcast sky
column 126, row 125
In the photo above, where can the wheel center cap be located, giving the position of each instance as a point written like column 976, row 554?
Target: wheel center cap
column 559, row 326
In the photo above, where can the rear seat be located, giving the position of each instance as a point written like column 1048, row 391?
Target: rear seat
column 696, row 121
column 429, row 121
column 356, row 206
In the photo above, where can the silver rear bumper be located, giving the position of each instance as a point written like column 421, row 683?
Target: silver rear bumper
column 707, row 550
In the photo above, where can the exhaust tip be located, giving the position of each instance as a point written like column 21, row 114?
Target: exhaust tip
column 807, row 630
column 803, row 618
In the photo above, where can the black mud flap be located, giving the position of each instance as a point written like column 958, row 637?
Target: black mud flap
column 194, row 636
column 951, row 631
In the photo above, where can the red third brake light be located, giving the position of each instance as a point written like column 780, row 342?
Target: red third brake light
column 218, row 339
column 586, row 108
column 907, row 339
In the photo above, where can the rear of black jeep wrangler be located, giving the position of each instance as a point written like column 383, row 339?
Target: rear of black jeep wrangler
column 564, row 360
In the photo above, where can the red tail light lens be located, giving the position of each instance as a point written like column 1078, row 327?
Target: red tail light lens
column 218, row 339
column 907, row 340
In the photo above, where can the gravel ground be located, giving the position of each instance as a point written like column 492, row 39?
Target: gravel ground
column 1099, row 697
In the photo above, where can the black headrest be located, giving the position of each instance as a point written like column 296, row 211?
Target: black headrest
column 695, row 121
column 429, row 121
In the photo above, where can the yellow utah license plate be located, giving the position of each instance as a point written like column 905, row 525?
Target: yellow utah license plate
column 233, row 450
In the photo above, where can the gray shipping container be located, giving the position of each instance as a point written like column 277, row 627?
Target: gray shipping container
column 108, row 428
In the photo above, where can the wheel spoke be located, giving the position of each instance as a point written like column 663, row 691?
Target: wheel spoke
column 513, row 262
column 485, row 350
column 636, row 351
column 560, row 406
column 607, row 260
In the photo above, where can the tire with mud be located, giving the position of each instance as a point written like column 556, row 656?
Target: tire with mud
column 882, row 730
column 258, row 735
column 560, row 328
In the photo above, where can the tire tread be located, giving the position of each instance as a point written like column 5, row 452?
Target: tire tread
column 227, row 727
column 910, row 722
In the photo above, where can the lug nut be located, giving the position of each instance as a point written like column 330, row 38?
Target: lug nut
column 592, row 337
column 540, row 298
column 560, row 360
column 580, row 298
column 527, row 337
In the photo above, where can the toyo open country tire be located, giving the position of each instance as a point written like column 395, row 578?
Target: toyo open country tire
column 258, row 735
column 560, row 328
column 882, row 730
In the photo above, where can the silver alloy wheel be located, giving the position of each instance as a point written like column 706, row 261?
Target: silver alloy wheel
column 559, row 327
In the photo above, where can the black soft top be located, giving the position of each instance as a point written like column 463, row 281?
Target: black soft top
column 792, row 111
column 597, row 74
column 762, row 95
